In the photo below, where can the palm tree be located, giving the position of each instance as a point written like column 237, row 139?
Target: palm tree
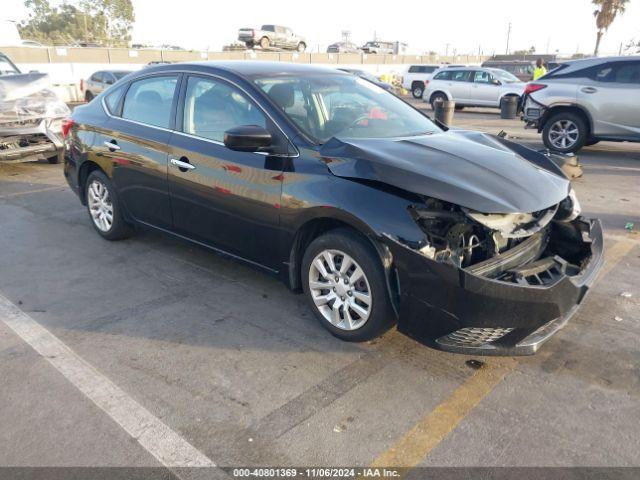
column 605, row 15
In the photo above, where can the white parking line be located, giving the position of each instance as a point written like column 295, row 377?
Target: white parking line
column 158, row 439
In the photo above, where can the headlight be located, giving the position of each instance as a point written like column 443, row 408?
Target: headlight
column 569, row 209
column 514, row 225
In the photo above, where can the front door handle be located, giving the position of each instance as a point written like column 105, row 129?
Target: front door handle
column 588, row 90
column 112, row 145
column 184, row 166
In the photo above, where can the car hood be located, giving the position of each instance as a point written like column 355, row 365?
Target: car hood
column 470, row 169
column 26, row 99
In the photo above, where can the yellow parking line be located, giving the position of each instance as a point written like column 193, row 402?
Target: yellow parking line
column 18, row 194
column 432, row 428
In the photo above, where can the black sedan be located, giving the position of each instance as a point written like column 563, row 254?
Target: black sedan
column 469, row 242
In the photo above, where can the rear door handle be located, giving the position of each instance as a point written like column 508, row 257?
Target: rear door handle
column 588, row 90
column 112, row 145
column 181, row 164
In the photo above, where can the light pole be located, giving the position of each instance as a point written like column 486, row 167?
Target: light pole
column 508, row 35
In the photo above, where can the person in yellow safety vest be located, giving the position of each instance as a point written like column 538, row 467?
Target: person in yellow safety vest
column 540, row 70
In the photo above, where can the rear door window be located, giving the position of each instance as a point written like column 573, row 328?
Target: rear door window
column 112, row 100
column 149, row 101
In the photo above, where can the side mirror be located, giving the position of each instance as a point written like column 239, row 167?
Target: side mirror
column 247, row 138
column 495, row 81
column 109, row 81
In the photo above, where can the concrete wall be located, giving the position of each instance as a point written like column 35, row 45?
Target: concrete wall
column 68, row 65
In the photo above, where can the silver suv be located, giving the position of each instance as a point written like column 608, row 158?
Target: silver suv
column 585, row 101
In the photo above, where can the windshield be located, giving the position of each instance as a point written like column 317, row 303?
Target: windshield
column 505, row 76
column 346, row 106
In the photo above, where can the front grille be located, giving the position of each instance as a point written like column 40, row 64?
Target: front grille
column 545, row 271
column 474, row 336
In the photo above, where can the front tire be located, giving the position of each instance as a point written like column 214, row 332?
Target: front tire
column 104, row 207
column 264, row 43
column 88, row 96
column 436, row 97
column 345, row 285
column 565, row 132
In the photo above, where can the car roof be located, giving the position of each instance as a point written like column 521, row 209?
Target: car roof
column 581, row 63
column 248, row 69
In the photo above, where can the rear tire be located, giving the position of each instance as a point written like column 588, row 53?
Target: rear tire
column 265, row 43
column 104, row 208
column 88, row 96
column 436, row 97
column 356, row 307
column 417, row 89
column 459, row 107
column 54, row 160
column 565, row 132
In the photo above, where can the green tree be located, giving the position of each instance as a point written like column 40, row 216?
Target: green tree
column 605, row 15
column 104, row 22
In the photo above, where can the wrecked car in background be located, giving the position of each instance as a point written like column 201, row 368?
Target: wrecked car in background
column 470, row 242
column 31, row 116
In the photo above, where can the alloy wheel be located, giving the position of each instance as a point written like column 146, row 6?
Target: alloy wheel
column 100, row 205
column 340, row 289
column 563, row 134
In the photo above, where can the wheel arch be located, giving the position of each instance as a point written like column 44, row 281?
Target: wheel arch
column 86, row 168
column 315, row 227
column 569, row 107
column 435, row 92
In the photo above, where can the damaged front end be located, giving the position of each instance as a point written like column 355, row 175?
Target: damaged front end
column 31, row 117
column 494, row 284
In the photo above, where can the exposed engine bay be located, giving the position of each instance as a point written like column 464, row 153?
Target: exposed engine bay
column 464, row 238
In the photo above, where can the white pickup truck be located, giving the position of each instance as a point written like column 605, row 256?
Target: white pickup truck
column 272, row 36
column 415, row 76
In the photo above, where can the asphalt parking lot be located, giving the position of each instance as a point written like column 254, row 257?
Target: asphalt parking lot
column 102, row 341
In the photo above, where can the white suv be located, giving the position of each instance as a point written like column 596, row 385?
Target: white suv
column 416, row 76
column 472, row 86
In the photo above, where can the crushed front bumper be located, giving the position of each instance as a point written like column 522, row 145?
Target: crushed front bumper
column 509, row 306
column 36, row 141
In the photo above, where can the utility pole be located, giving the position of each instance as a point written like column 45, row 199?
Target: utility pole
column 446, row 50
column 548, row 41
column 508, row 36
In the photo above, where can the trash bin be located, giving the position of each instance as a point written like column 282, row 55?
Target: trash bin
column 444, row 111
column 509, row 107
